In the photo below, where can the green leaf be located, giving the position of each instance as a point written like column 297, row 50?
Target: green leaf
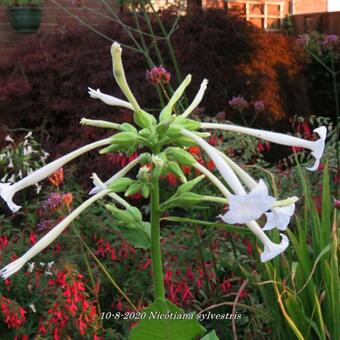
column 211, row 336
column 138, row 237
column 155, row 325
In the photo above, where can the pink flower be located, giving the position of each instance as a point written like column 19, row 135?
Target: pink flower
column 329, row 41
column 238, row 103
column 259, row 106
column 158, row 75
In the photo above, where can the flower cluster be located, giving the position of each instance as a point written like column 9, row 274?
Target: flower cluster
column 158, row 75
column 70, row 309
column 238, row 103
column 329, row 41
column 12, row 313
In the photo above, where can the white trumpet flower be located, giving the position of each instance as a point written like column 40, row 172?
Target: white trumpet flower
column 7, row 190
column 197, row 100
column 119, row 174
column 109, row 100
column 243, row 202
column 317, row 147
column 245, row 208
column 44, row 242
column 279, row 217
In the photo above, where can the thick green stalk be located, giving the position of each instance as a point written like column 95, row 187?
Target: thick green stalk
column 156, row 256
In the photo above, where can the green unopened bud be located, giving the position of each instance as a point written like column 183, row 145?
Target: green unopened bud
column 181, row 156
column 188, row 124
column 135, row 213
column 120, row 184
column 176, row 169
column 166, row 112
column 110, row 148
column 128, row 128
column 189, row 185
column 132, row 189
column 144, row 119
column 145, row 191
column 189, row 198
column 124, row 138
column 163, row 126
column 120, row 215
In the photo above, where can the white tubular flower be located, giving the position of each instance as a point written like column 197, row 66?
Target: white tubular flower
column 218, row 184
column 44, row 242
column 100, row 123
column 317, row 147
column 119, row 74
column 271, row 249
column 109, row 100
column 223, row 168
column 119, row 174
column 279, row 217
column 7, row 190
column 197, row 100
column 9, row 139
column 245, row 208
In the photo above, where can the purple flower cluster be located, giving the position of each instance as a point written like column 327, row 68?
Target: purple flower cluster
column 259, row 106
column 238, row 103
column 329, row 41
column 53, row 202
column 158, row 75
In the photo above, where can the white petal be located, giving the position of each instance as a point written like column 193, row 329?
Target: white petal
column 318, row 147
column 8, row 138
column 279, row 217
column 272, row 250
column 245, row 208
column 198, row 98
column 7, row 193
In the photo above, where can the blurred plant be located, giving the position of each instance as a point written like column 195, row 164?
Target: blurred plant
column 22, row 3
column 18, row 160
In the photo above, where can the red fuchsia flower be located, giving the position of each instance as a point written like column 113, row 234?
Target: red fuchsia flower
column 243, row 294
column 13, row 314
column 259, row 106
column 213, row 140
column 329, row 41
column 186, row 169
column 171, row 178
column 226, row 286
column 158, row 75
column 3, row 241
column 261, row 147
column 238, row 103
column 211, row 165
column 33, row 238
column 57, row 177
column 195, row 150
column 249, row 246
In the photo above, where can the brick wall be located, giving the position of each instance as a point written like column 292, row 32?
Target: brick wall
column 310, row 6
column 53, row 18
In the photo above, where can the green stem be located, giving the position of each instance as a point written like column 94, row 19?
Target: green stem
column 156, row 256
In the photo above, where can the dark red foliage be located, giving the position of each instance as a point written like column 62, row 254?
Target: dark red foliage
column 46, row 84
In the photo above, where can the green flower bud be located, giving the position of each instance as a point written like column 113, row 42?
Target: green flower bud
column 120, row 184
column 189, row 185
column 144, row 119
column 181, row 156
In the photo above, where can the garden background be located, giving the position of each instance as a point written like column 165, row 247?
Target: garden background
column 278, row 81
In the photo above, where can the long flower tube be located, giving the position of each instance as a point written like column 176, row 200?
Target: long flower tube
column 102, row 186
column 7, row 190
column 119, row 174
column 243, row 206
column 109, row 100
column 44, row 242
column 219, row 185
column 119, row 74
column 197, row 100
column 317, row 147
